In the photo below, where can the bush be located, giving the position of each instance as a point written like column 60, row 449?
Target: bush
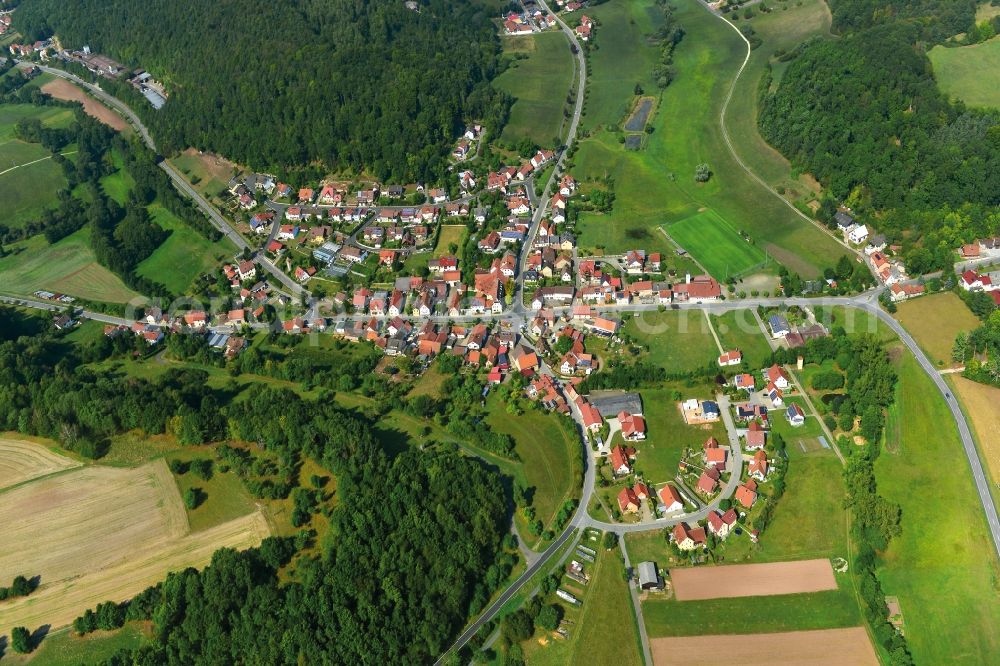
column 20, row 640
column 194, row 497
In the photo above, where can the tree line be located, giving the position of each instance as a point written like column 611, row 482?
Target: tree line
column 366, row 86
column 865, row 116
column 419, row 534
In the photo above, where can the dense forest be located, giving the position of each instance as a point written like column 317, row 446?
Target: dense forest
column 349, row 83
column 864, row 114
column 418, row 534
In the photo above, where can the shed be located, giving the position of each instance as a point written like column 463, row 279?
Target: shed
column 649, row 578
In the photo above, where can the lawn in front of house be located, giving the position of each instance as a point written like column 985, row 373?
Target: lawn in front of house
column 677, row 340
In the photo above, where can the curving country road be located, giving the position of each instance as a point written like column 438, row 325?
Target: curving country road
column 214, row 216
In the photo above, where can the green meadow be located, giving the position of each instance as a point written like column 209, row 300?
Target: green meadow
column 717, row 245
column 185, row 254
column 969, row 73
column 539, row 78
column 655, row 186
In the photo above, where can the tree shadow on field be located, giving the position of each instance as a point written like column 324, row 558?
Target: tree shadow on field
column 38, row 635
column 3, row 646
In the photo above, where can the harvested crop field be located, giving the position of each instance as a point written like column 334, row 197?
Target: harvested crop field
column 753, row 580
column 21, row 461
column 982, row 404
column 826, row 647
column 64, row 90
column 100, row 533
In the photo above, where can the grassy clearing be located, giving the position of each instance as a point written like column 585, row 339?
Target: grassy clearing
column 606, row 604
column 656, row 186
column 969, row 73
column 934, row 321
column 942, row 567
column 784, row 28
column 67, row 649
column 738, row 329
column 620, row 59
column 29, row 186
column 226, row 496
column 209, row 174
column 747, row 615
column 550, row 455
column 717, row 245
column 539, row 79
column 184, row 256
column 678, row 340
column 68, row 266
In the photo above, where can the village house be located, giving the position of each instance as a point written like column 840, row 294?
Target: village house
column 746, row 494
column 729, row 358
column 776, row 375
column 621, row 460
column 700, row 289
column 758, row 466
column 687, row 538
column 627, row 501
column 721, row 524
column 633, row 426
column 744, row 382
column 708, row 482
column 670, row 499
column 796, row 417
column 756, row 436
column 902, row 292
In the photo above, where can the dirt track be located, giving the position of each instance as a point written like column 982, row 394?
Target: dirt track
column 64, row 90
column 752, row 580
column 21, row 461
column 826, row 647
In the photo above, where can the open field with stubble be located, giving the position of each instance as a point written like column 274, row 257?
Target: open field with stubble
column 827, row 647
column 65, row 90
column 934, row 321
column 98, row 533
column 752, row 580
column 22, row 461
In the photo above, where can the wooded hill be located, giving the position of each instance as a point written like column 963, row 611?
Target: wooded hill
column 349, row 83
column 864, row 114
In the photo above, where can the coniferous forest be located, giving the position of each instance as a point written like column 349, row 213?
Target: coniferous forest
column 365, row 84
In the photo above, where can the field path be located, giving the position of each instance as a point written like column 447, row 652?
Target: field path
column 729, row 143
column 40, row 159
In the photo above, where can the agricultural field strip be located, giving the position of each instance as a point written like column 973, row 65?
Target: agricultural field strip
column 75, row 523
column 22, row 461
column 57, row 605
column 753, row 580
column 824, row 647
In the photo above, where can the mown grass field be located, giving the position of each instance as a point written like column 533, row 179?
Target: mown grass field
column 656, row 186
column 969, row 73
column 606, row 605
column 539, row 83
column 211, row 173
column 226, row 498
column 716, row 245
column 29, row 186
column 678, row 340
column 185, row 254
column 667, row 436
column 550, row 455
column 749, row 615
column 620, row 59
column 942, row 567
column 65, row 648
column 68, row 266
column 934, row 321
column 738, row 329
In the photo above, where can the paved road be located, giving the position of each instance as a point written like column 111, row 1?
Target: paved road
column 216, row 218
